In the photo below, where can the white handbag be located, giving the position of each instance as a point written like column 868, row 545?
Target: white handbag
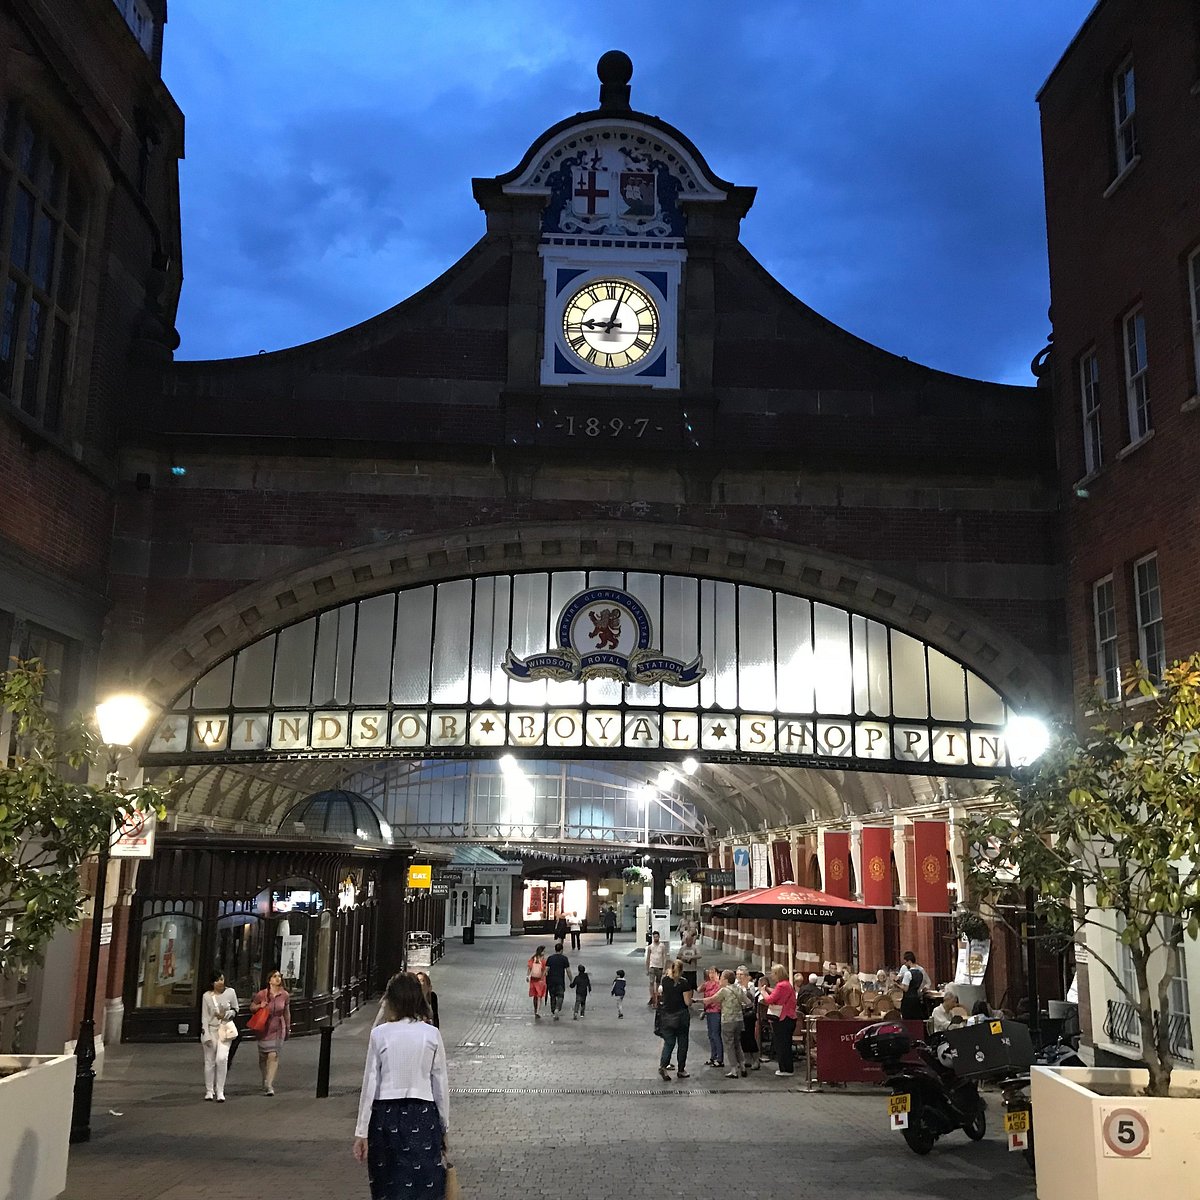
column 227, row 1031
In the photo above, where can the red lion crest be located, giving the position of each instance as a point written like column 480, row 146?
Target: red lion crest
column 606, row 628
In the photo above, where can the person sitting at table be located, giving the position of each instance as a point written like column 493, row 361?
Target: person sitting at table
column 942, row 1018
column 832, row 976
column 809, row 993
column 879, row 983
column 852, row 991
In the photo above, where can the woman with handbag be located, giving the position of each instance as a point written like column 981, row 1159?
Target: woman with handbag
column 404, row 1108
column 271, row 1022
column 781, row 1008
column 218, row 1007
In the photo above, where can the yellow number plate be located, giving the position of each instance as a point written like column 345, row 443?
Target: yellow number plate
column 899, row 1104
column 1016, row 1122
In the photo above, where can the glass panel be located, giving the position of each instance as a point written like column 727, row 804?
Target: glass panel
column 756, row 649
column 22, row 228
column 240, row 952
column 252, row 674
column 213, row 689
column 66, row 274
column 563, row 585
column 947, row 694
column 831, row 660
column 451, row 642
column 501, row 620
column 908, row 676
column 648, row 589
column 8, row 333
column 724, row 661
column 793, row 637
column 414, row 639
column 321, row 978
column 291, row 947
column 484, row 652
column 984, row 702
column 76, row 205
column 53, row 177
column 331, row 663
column 605, row 691
column 529, row 624
column 56, row 377
column 680, row 633
column 33, row 358
column 294, row 664
column 880, row 689
column 28, row 148
column 167, row 961
column 43, row 252
column 372, row 651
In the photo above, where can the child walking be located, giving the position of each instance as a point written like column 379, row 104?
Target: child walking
column 618, row 990
column 582, row 983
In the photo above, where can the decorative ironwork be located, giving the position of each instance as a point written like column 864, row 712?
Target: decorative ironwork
column 1122, row 1027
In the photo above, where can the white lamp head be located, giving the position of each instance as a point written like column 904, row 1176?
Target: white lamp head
column 121, row 718
column 1027, row 739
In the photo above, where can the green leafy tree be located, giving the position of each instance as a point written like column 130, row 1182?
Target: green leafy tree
column 1105, row 827
column 51, row 818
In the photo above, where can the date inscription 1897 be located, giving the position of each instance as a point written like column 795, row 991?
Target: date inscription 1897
column 611, row 427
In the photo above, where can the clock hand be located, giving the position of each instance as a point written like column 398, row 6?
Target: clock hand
column 612, row 321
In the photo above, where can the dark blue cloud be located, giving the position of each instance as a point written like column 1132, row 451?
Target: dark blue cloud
column 895, row 149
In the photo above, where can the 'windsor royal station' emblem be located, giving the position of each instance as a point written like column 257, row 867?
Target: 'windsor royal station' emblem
column 604, row 633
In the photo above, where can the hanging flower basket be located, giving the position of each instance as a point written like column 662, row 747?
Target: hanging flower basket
column 680, row 878
column 636, row 875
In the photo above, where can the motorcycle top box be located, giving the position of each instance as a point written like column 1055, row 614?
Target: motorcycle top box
column 988, row 1048
column 883, row 1042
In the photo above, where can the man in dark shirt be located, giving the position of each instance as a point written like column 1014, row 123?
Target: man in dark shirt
column 558, row 972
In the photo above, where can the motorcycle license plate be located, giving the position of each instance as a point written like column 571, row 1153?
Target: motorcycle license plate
column 898, row 1110
column 1016, row 1122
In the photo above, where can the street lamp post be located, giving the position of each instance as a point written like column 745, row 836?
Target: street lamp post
column 120, row 720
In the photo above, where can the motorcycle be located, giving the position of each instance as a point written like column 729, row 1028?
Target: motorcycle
column 928, row 1099
column 1016, row 1101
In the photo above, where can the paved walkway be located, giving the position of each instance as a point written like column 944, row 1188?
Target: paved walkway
column 545, row 1109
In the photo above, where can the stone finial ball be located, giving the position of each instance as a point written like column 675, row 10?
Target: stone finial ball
column 615, row 66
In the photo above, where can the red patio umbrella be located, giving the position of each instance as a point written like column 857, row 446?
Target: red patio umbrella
column 790, row 902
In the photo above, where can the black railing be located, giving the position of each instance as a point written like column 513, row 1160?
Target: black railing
column 1122, row 1027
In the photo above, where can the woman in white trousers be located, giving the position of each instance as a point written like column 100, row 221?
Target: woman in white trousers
column 218, row 1007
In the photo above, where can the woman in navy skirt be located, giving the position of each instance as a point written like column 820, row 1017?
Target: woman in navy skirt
column 404, row 1109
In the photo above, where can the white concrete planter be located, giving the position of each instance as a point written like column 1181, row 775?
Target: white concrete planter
column 1117, row 1145
column 35, row 1124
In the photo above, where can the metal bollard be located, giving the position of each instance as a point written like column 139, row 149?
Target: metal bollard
column 323, row 1060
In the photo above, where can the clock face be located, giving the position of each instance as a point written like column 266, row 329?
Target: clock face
column 610, row 323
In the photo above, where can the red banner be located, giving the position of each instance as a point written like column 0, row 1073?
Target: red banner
column 930, row 867
column 781, row 861
column 877, row 866
column 837, row 864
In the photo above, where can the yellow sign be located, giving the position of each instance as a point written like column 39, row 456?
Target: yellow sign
column 1016, row 1122
column 899, row 1104
column 996, row 1026
column 420, row 877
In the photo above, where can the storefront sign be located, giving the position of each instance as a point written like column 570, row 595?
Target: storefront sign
column 441, row 875
column 439, row 891
column 712, row 877
column 750, row 734
column 420, row 877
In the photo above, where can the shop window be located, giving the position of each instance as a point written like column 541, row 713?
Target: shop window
column 240, row 949
column 324, row 952
column 41, row 259
column 170, row 942
column 482, row 913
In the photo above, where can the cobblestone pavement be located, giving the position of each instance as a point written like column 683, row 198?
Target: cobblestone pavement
column 568, row 1107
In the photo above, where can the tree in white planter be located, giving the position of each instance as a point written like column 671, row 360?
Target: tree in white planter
column 1105, row 828
column 51, row 818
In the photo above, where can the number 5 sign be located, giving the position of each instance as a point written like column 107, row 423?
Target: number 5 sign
column 1125, row 1132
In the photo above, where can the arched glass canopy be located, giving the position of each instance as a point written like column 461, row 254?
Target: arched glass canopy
column 592, row 664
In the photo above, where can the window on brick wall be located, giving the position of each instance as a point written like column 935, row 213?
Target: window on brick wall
column 1089, row 403
column 1137, row 385
column 42, row 214
column 1194, row 297
column 1124, row 115
column 1149, row 616
column 1104, row 612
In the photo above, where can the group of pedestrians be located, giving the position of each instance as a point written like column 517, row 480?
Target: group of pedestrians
column 551, row 976
column 270, row 1024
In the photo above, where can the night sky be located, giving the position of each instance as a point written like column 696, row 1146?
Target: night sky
column 895, row 148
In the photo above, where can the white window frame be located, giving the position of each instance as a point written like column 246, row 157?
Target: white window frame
column 1104, row 625
column 1137, row 383
column 1124, row 115
column 1089, row 405
column 1194, row 299
column 1148, row 602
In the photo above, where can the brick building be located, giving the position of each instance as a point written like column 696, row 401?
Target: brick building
column 89, row 260
column 1121, row 146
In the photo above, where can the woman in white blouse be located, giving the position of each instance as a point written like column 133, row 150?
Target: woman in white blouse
column 217, row 1009
column 404, row 1109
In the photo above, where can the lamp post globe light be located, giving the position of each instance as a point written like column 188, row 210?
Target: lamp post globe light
column 120, row 719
